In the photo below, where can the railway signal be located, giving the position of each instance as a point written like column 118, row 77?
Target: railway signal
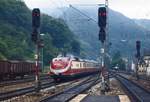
column 138, row 47
column 35, row 38
column 102, row 19
column 36, row 18
column 102, row 22
column 35, row 24
column 102, row 35
column 102, row 16
column 34, row 35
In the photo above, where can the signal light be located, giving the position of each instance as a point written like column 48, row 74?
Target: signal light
column 138, row 47
column 34, row 35
column 36, row 18
column 102, row 16
column 102, row 35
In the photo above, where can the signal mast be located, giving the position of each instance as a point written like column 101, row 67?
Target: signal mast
column 138, row 57
column 103, row 37
column 35, row 39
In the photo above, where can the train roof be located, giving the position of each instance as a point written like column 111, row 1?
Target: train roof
column 76, row 58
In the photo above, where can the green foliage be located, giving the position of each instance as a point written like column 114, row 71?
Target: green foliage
column 15, row 32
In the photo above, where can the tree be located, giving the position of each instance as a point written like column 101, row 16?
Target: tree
column 15, row 33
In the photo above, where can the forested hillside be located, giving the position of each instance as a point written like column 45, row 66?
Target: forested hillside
column 15, row 33
column 123, row 31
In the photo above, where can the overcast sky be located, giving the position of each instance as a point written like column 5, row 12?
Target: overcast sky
column 131, row 8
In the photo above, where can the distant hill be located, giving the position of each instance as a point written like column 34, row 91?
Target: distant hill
column 123, row 31
column 145, row 23
column 15, row 33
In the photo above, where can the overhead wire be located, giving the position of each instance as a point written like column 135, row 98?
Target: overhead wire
column 89, row 18
column 60, row 5
column 82, row 13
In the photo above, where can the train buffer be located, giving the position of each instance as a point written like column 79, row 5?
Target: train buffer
column 102, row 98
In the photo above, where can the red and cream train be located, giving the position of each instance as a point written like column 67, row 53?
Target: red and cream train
column 69, row 66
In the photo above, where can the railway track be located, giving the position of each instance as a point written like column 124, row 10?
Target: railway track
column 19, row 81
column 18, row 92
column 142, row 77
column 23, row 91
column 138, row 93
column 69, row 93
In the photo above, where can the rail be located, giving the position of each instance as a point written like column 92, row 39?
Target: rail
column 15, row 93
column 19, row 81
column 137, row 92
column 69, row 93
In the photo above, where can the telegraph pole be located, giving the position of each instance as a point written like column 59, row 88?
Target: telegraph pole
column 35, row 39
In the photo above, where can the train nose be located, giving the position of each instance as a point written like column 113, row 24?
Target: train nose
column 59, row 64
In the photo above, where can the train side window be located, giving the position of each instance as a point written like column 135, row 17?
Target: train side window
column 87, row 65
column 83, row 64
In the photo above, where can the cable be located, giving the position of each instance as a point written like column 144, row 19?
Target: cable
column 60, row 4
column 83, row 13
column 90, row 4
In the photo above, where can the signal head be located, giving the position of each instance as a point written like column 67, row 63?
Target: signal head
column 138, row 47
column 102, row 16
column 36, row 17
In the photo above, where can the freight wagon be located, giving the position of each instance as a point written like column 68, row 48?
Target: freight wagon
column 12, row 69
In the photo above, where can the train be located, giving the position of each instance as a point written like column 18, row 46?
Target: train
column 69, row 67
column 12, row 69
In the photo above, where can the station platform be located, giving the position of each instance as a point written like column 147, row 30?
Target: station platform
column 102, row 98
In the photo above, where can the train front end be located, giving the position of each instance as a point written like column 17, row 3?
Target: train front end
column 59, row 66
